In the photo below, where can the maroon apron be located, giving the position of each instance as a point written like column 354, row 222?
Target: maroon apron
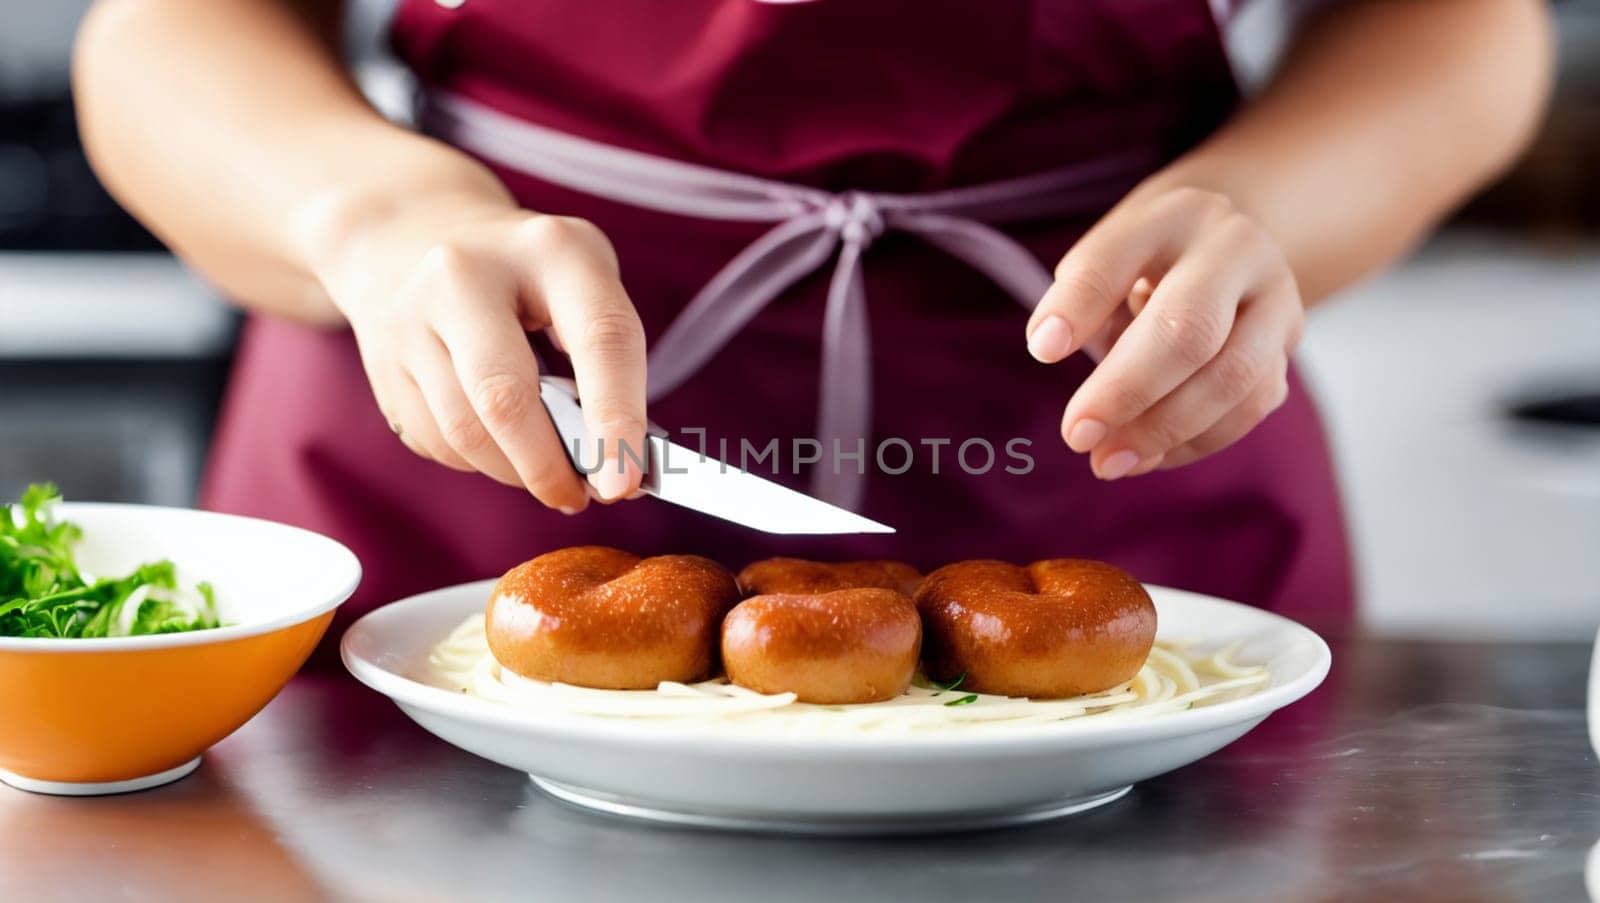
column 881, row 95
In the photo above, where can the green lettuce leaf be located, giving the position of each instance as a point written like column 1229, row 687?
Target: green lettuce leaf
column 43, row 594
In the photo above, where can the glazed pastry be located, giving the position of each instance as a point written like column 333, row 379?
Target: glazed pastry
column 1057, row 628
column 839, row 647
column 796, row 575
column 599, row 617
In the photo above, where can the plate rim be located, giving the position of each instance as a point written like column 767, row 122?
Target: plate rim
column 406, row 691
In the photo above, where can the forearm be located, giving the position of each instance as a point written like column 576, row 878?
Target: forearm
column 1386, row 115
column 232, row 129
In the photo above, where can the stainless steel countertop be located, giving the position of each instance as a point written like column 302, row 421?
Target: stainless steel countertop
column 1419, row 771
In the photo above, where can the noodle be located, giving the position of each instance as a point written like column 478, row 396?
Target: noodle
column 1172, row 679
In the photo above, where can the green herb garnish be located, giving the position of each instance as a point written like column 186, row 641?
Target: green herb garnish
column 42, row 593
column 941, row 688
column 968, row 699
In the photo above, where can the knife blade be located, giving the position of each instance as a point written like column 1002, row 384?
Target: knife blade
column 685, row 477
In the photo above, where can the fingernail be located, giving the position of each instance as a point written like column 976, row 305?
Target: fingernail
column 612, row 482
column 1118, row 465
column 1147, row 465
column 568, row 511
column 1050, row 340
column 1085, row 434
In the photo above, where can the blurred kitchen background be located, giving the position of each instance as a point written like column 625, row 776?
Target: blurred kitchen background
column 1471, row 471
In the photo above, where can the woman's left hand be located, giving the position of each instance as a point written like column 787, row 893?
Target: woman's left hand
column 1193, row 311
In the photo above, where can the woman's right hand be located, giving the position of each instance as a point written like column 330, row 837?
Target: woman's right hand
column 441, row 298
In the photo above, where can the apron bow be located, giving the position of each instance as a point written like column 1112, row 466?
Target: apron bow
column 812, row 226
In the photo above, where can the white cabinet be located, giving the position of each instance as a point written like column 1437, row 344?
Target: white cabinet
column 1464, row 521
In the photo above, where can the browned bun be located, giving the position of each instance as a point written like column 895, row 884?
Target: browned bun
column 796, row 575
column 598, row 617
column 1056, row 628
column 835, row 648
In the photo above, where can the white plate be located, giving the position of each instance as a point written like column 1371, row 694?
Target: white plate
column 669, row 771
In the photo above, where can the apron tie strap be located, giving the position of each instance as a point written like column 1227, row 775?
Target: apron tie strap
column 811, row 226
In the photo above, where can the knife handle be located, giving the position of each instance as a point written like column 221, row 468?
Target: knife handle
column 560, row 398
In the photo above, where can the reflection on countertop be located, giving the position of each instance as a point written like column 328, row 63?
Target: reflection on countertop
column 1420, row 771
column 201, row 840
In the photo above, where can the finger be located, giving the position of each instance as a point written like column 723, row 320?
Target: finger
column 1098, row 273
column 413, row 425
column 591, row 312
column 452, row 414
column 1146, row 466
column 1235, row 426
column 494, row 364
column 1253, row 353
column 400, row 404
column 1139, row 295
column 1117, row 322
column 1188, row 318
column 1113, row 328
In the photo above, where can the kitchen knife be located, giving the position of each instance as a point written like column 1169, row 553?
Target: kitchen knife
column 686, row 477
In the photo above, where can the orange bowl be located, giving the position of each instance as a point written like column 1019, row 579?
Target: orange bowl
column 86, row 716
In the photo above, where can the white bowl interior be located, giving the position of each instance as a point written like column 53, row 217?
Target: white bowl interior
column 264, row 574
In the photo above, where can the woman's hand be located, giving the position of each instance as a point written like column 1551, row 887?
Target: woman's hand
column 1193, row 311
column 441, row 299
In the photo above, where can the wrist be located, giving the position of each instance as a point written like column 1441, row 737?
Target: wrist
column 1199, row 169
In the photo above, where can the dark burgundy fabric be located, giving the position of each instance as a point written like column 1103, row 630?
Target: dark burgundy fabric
column 894, row 95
